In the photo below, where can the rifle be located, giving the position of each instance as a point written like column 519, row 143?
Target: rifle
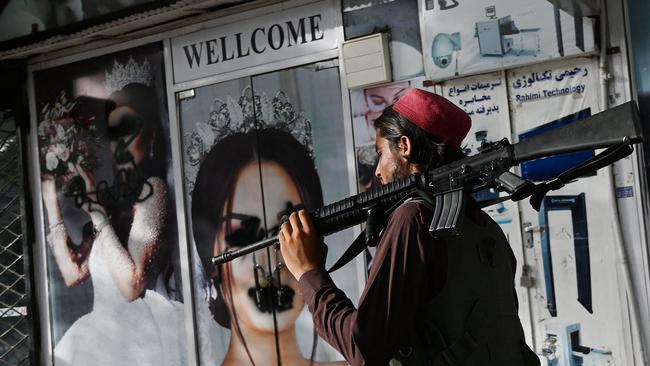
column 446, row 187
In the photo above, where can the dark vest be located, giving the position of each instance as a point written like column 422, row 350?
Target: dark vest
column 473, row 321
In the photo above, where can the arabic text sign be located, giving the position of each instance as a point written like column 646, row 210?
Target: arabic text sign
column 555, row 84
column 484, row 98
column 543, row 93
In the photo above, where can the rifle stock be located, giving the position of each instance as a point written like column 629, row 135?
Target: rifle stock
column 595, row 132
column 489, row 168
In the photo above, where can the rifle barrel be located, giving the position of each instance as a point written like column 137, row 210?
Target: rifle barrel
column 236, row 253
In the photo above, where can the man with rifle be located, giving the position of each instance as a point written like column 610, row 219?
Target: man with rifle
column 428, row 301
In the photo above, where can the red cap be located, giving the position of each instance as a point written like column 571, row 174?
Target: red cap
column 434, row 114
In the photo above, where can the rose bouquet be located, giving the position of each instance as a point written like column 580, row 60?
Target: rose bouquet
column 65, row 138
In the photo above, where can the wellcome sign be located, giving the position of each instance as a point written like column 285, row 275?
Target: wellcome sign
column 283, row 35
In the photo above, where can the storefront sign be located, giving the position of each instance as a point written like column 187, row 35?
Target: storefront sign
column 542, row 93
column 284, row 35
column 547, row 96
column 562, row 83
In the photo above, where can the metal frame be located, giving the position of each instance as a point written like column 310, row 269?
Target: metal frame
column 639, row 168
column 27, row 225
column 179, row 199
column 577, row 205
column 40, row 258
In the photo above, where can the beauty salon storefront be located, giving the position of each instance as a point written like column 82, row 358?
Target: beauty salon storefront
column 204, row 136
column 157, row 149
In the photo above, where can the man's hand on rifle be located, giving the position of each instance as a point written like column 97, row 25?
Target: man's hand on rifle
column 301, row 247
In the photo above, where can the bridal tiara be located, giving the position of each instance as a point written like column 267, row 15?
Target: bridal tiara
column 251, row 111
column 122, row 75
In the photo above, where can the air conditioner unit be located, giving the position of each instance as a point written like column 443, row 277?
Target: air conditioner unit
column 367, row 60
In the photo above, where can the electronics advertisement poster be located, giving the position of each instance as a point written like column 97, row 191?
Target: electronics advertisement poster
column 484, row 97
column 115, row 291
column 497, row 34
column 255, row 149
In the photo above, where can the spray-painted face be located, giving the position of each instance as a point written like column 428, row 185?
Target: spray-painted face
column 125, row 130
column 260, row 279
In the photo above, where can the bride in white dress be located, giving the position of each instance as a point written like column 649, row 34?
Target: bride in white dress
column 129, row 324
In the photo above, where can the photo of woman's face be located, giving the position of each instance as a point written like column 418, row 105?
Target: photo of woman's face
column 378, row 98
column 280, row 193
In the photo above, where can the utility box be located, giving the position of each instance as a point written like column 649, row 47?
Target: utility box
column 367, row 60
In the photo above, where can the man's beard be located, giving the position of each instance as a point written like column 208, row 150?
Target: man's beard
column 400, row 169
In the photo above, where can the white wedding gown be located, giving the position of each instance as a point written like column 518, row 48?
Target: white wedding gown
column 149, row 331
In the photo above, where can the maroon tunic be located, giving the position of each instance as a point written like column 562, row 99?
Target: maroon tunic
column 407, row 271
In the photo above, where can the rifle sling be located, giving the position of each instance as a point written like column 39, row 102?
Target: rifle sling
column 360, row 244
column 357, row 246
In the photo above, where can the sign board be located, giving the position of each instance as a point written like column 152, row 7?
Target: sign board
column 283, row 35
column 466, row 37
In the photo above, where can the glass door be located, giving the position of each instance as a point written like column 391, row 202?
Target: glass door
column 255, row 149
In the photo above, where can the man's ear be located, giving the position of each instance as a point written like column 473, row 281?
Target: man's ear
column 405, row 147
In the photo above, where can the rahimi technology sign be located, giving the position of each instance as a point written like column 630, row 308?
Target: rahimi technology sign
column 282, row 35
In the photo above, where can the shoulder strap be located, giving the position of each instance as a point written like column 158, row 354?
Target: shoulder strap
column 357, row 246
column 360, row 243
